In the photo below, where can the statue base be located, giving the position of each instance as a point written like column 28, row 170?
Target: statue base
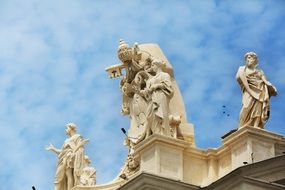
column 178, row 160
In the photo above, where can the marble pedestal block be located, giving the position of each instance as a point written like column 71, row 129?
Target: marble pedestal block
column 178, row 160
column 245, row 146
column 162, row 156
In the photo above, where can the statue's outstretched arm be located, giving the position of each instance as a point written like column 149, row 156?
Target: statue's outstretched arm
column 53, row 149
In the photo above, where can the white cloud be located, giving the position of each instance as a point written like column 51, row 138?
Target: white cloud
column 52, row 60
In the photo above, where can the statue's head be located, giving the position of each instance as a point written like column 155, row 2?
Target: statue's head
column 131, row 162
column 251, row 59
column 157, row 64
column 124, row 51
column 70, row 128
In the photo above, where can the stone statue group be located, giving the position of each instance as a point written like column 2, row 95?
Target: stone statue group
column 147, row 91
column 148, row 87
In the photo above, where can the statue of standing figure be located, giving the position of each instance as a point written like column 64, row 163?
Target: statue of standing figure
column 71, row 159
column 158, row 91
column 256, row 93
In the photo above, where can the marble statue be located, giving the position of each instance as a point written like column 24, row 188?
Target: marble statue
column 150, row 95
column 159, row 92
column 256, row 93
column 70, row 159
column 88, row 175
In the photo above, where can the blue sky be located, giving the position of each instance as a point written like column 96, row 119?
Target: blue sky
column 53, row 56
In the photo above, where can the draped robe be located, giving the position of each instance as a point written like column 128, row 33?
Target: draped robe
column 256, row 91
column 71, row 156
column 158, row 108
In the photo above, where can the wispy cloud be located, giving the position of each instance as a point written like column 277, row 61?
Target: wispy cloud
column 52, row 60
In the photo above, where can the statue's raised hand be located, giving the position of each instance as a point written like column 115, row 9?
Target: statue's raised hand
column 50, row 147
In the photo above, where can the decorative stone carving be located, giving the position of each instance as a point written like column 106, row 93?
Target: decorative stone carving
column 150, row 95
column 256, row 93
column 174, row 122
column 88, row 175
column 70, row 159
column 132, row 165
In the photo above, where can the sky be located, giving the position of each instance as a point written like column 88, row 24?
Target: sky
column 53, row 55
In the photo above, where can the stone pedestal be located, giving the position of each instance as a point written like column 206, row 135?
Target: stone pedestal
column 179, row 161
column 245, row 146
column 162, row 156
column 249, row 145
